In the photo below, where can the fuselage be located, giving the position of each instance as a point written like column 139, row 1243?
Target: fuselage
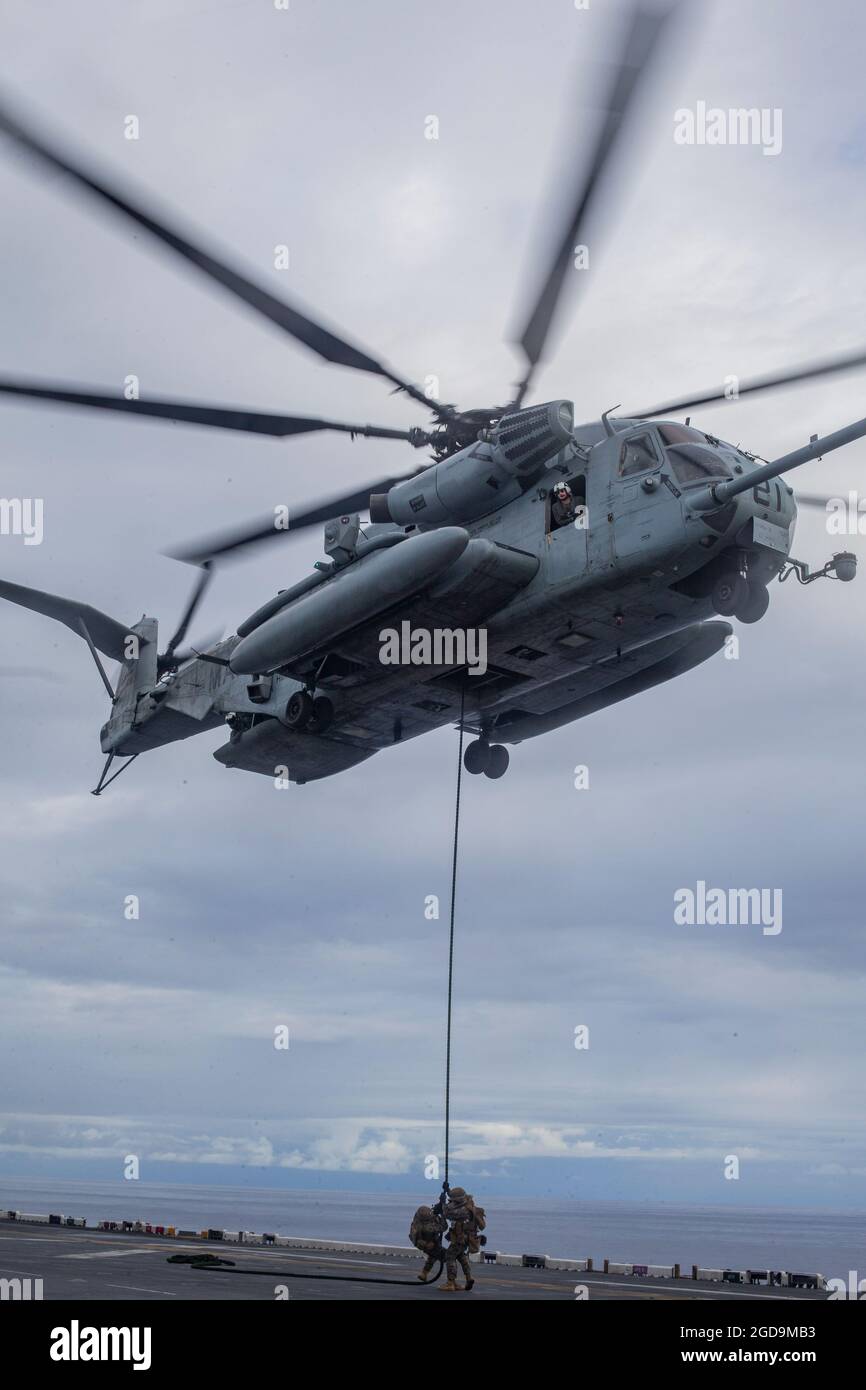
column 633, row 567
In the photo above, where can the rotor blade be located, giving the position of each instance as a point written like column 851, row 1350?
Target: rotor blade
column 194, row 600
column 312, row 334
column 250, row 421
column 771, row 382
column 228, row 541
column 200, row 650
column 816, row 499
column 643, row 34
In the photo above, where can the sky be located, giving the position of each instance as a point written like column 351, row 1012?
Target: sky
column 305, row 906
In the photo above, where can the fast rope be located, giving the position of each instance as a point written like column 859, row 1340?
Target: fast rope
column 451, row 940
column 222, row 1266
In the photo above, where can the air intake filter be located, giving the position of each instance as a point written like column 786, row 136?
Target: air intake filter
column 529, row 438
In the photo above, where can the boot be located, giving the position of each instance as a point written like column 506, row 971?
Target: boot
column 470, row 1284
column 450, row 1286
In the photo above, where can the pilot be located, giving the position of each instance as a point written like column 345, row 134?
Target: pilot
column 428, row 1227
column 562, row 506
column 464, row 1238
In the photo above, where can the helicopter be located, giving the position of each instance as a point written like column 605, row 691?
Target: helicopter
column 595, row 560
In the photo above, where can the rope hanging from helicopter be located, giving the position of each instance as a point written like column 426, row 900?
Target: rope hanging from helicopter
column 451, row 939
column 219, row 1265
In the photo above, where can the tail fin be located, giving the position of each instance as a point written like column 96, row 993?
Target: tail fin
column 106, row 634
column 134, row 646
column 139, row 670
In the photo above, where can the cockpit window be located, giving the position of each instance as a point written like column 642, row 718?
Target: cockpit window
column 694, row 463
column 637, row 455
column 681, row 434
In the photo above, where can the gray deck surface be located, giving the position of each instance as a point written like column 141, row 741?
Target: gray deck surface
column 94, row 1265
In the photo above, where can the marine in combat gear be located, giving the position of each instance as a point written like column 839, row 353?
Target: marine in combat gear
column 467, row 1221
column 425, row 1233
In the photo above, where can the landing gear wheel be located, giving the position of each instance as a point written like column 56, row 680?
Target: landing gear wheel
column 755, row 605
column 299, row 709
column 730, row 592
column 497, row 762
column 476, row 756
column 323, row 713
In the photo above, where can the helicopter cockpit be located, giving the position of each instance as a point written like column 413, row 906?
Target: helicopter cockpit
column 693, row 456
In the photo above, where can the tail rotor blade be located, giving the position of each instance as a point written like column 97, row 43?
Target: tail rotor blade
column 201, row 649
column 169, row 657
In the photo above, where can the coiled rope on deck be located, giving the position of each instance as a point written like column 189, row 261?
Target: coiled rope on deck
column 216, row 1264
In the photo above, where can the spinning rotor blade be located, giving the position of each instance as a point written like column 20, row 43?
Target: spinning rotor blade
column 200, row 650
column 228, row 541
column 168, row 657
column 312, row 334
column 644, row 30
column 771, row 382
column 816, row 499
column 250, row 421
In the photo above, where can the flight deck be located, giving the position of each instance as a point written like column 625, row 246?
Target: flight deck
column 92, row 1265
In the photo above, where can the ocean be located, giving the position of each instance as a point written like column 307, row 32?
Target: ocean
column 810, row 1241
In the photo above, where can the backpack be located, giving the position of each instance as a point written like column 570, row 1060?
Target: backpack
column 474, row 1241
column 423, row 1232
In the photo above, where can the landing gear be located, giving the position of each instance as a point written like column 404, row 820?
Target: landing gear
column 730, row 592
column 755, row 605
column 740, row 587
column 299, row 709
column 497, row 764
column 313, row 715
column 323, row 713
column 491, row 759
column 476, row 755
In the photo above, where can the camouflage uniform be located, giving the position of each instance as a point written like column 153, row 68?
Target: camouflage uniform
column 428, row 1227
column 459, row 1213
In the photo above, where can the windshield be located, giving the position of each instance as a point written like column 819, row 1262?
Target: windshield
column 693, row 463
column 681, row 434
column 637, row 455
